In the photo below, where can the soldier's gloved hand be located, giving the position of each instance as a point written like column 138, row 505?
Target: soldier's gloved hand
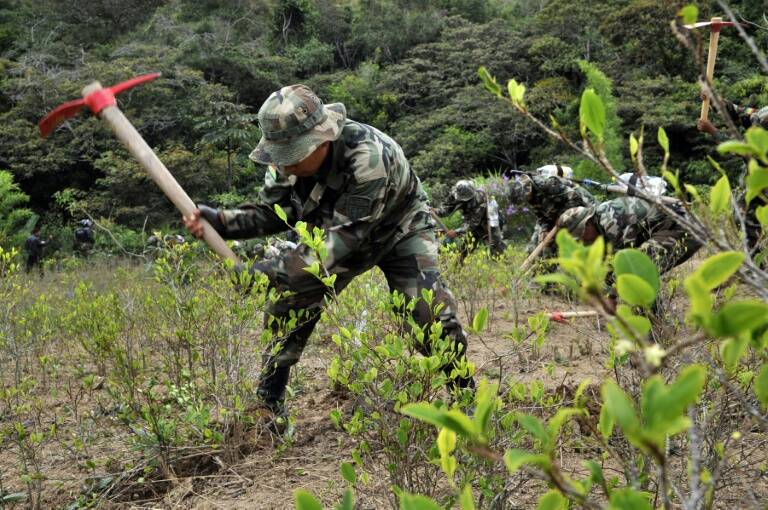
column 210, row 214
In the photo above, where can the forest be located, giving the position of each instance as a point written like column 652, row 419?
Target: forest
column 607, row 377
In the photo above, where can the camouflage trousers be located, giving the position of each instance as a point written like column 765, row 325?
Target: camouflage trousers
column 669, row 245
column 409, row 266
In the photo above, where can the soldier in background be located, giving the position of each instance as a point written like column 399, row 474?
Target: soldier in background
column 84, row 240
column 547, row 196
column 353, row 181
column 34, row 247
column 481, row 215
column 630, row 222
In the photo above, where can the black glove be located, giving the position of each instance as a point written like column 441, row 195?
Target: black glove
column 212, row 216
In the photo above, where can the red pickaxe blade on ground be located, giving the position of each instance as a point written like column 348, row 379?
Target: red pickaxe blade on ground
column 562, row 317
column 715, row 24
column 101, row 101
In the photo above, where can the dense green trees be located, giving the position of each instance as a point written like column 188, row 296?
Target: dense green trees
column 406, row 66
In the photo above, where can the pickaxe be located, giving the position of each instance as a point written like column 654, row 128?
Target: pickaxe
column 715, row 24
column 562, row 317
column 102, row 103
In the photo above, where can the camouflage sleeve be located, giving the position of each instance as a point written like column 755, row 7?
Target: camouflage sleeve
column 260, row 219
column 449, row 207
column 360, row 208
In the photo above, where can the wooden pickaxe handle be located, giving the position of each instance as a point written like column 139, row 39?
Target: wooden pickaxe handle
column 537, row 251
column 147, row 158
column 714, row 36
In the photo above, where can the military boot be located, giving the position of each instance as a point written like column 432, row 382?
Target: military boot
column 270, row 411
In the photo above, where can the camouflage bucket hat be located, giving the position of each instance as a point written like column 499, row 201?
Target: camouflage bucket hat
column 294, row 122
column 463, row 190
column 575, row 219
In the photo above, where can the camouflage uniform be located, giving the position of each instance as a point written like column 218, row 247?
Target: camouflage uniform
column 474, row 210
column 371, row 206
column 548, row 197
column 34, row 247
column 631, row 222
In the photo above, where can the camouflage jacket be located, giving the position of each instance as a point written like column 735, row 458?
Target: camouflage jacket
column 627, row 221
column 365, row 196
column 474, row 211
column 552, row 195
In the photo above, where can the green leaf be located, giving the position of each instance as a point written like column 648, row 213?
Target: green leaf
column 757, row 181
column 466, row 501
column 757, row 137
column 446, row 441
column 762, row 215
column 552, row 500
column 480, row 320
column 453, row 419
column 281, row 213
column 720, row 196
column 514, row 459
column 556, row 422
column 634, row 146
column 534, row 426
column 629, row 499
column 663, row 139
column 621, row 409
column 348, row 472
column 347, row 501
column 605, row 423
column 417, row 502
column 595, row 472
column 672, row 180
column 664, row 406
column 689, row 13
column 633, row 261
column 485, row 402
column 734, row 147
column 701, row 299
column 489, row 81
column 732, row 350
column 761, row 385
column 736, row 317
column 634, row 290
column 718, row 268
column 13, row 497
column 640, row 325
column 592, row 113
column 306, row 501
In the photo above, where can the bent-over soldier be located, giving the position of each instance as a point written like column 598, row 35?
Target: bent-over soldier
column 547, row 197
column 631, row 222
column 353, row 181
column 480, row 213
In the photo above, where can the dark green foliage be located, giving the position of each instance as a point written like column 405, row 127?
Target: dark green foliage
column 407, row 67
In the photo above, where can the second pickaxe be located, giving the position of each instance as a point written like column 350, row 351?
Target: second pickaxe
column 715, row 24
column 102, row 102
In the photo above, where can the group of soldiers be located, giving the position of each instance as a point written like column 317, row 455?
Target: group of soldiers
column 34, row 245
column 555, row 201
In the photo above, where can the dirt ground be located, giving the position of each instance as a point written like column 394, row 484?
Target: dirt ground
column 267, row 477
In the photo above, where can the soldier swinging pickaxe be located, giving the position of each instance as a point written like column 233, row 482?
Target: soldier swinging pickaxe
column 715, row 24
column 102, row 102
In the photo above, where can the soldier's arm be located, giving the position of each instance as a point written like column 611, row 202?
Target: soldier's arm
column 261, row 219
column 449, row 207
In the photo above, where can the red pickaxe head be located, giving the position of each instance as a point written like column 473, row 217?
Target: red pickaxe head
column 96, row 101
column 714, row 26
